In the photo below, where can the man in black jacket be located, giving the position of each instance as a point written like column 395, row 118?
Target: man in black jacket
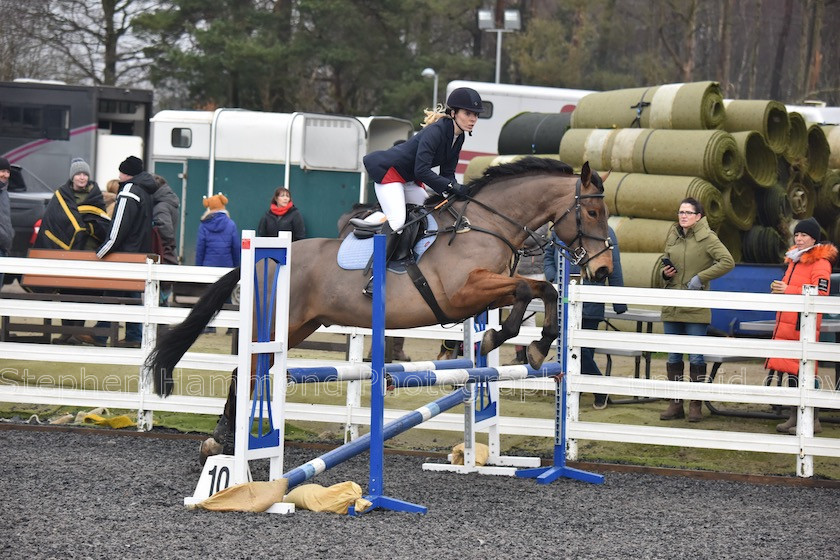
column 131, row 225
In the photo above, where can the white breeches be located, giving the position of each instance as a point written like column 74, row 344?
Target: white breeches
column 394, row 196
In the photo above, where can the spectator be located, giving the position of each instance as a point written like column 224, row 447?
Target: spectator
column 282, row 215
column 165, row 217
column 694, row 256
column 131, row 227
column 218, row 238
column 808, row 262
column 593, row 313
column 75, row 219
column 6, row 231
column 112, row 188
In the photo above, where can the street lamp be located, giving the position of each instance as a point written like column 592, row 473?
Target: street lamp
column 430, row 73
column 487, row 22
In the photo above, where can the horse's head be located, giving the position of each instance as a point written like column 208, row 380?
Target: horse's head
column 583, row 226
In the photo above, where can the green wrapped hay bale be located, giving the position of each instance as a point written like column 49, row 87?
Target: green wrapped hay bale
column 739, row 205
column 708, row 154
column 533, row 133
column 658, row 197
column 640, row 235
column 827, row 206
column 730, row 236
column 832, row 135
column 593, row 145
column 797, row 147
column 759, row 159
column 641, row 270
column 818, row 153
column 802, row 198
column 763, row 244
column 686, row 106
column 833, row 231
column 772, row 206
column 770, row 118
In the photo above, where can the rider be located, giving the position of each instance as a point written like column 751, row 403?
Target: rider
column 400, row 172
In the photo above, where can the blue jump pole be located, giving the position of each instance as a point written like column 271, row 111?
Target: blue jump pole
column 469, row 375
column 547, row 475
column 355, row 372
column 347, row 451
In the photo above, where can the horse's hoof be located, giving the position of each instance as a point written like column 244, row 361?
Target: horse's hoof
column 535, row 357
column 208, row 448
column 488, row 342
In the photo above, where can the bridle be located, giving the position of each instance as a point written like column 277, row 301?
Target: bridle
column 577, row 256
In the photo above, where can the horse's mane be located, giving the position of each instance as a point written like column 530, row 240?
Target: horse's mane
column 526, row 166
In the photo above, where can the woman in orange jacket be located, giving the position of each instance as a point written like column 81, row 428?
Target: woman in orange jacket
column 809, row 262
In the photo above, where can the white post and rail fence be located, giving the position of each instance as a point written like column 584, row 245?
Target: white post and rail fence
column 16, row 388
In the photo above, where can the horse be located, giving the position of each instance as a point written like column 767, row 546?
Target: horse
column 468, row 269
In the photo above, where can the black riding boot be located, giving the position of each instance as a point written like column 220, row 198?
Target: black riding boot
column 391, row 244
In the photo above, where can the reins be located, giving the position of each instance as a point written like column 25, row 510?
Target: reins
column 575, row 256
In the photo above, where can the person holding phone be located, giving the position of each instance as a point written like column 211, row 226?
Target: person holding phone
column 694, row 256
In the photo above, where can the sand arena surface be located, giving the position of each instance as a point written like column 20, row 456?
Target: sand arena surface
column 70, row 495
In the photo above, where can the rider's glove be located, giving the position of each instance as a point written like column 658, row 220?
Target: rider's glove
column 458, row 191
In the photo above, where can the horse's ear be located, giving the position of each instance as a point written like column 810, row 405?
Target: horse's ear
column 606, row 175
column 585, row 175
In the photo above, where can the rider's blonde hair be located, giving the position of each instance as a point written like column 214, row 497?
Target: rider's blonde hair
column 434, row 115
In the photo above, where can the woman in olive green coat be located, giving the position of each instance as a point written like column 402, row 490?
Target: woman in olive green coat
column 694, row 257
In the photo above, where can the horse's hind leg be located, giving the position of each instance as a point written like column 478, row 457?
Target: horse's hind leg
column 222, row 440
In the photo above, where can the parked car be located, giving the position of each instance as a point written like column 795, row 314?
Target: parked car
column 26, row 209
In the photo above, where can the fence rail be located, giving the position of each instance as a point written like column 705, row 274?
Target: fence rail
column 806, row 397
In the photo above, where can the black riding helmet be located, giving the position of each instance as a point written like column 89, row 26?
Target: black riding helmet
column 465, row 98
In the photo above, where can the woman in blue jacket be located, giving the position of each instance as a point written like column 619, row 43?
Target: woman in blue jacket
column 218, row 238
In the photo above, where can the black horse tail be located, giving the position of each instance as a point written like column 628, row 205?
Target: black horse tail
column 174, row 343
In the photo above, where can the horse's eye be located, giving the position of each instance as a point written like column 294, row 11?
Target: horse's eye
column 592, row 213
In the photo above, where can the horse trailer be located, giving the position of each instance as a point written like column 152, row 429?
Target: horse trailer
column 247, row 154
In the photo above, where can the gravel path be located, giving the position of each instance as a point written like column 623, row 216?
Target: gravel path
column 69, row 495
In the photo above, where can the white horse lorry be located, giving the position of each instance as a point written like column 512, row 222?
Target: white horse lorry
column 247, row 154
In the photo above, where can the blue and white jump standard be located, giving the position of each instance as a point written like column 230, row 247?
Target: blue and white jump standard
column 481, row 410
column 546, row 475
column 376, row 483
column 260, row 421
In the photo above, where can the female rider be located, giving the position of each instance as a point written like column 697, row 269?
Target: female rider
column 400, row 172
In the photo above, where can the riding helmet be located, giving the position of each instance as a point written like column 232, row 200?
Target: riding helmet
column 465, row 98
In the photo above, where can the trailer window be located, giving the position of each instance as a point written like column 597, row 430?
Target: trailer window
column 487, row 113
column 181, row 137
column 35, row 121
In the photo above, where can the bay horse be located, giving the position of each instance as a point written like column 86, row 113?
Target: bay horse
column 469, row 267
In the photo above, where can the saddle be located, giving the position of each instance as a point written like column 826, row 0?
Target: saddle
column 416, row 227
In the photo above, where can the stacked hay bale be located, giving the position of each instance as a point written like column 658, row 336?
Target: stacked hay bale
column 755, row 167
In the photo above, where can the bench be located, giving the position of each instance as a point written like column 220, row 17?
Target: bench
column 45, row 287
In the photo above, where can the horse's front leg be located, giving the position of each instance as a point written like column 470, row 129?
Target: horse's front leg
column 484, row 288
column 493, row 338
column 538, row 349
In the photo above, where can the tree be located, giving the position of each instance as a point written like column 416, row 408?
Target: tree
column 92, row 37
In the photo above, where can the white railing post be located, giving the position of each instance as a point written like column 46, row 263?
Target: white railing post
column 807, row 379
column 151, row 301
